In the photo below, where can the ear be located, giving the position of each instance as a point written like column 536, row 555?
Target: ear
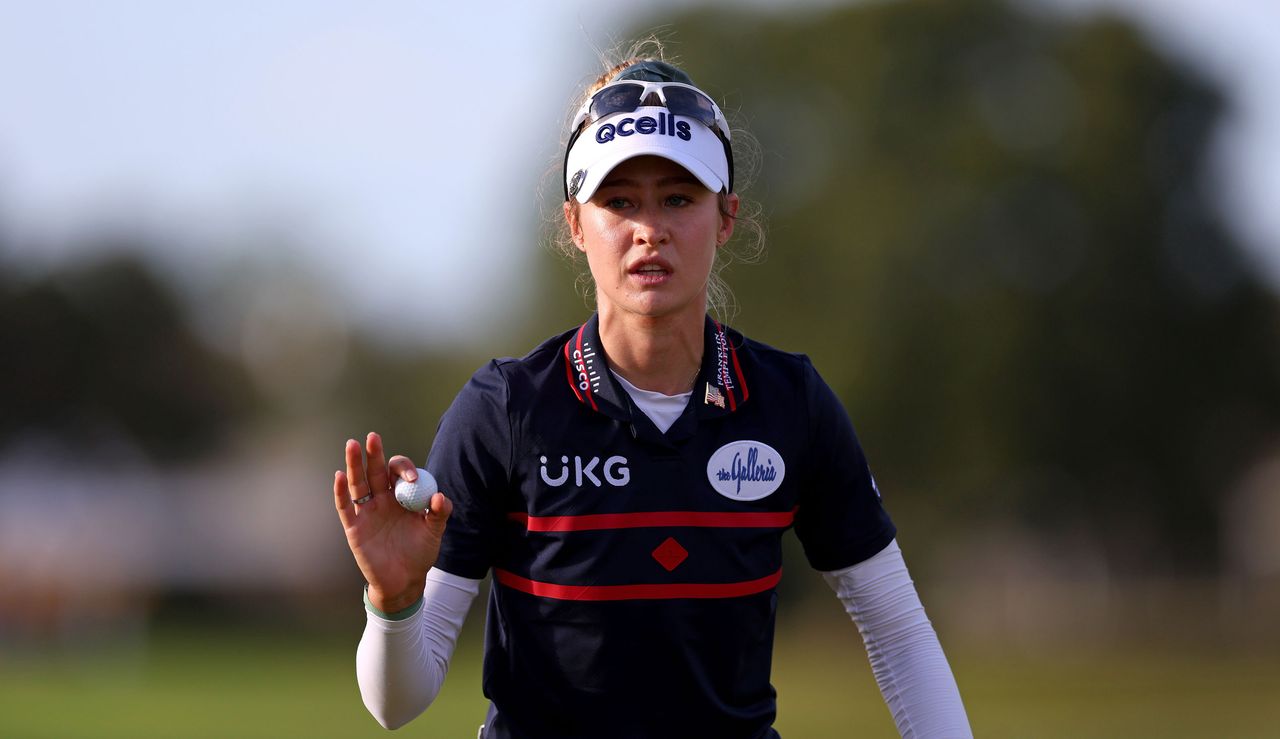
column 727, row 218
column 575, row 226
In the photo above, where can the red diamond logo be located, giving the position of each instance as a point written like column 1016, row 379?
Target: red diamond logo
column 670, row 554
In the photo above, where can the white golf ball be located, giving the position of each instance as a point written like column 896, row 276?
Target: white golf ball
column 416, row 495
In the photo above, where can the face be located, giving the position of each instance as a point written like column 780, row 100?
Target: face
column 650, row 233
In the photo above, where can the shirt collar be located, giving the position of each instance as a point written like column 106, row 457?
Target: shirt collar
column 720, row 389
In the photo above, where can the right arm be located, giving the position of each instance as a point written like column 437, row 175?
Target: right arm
column 420, row 582
column 393, row 546
column 403, row 657
column 413, row 618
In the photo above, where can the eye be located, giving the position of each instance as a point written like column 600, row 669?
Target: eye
column 616, row 203
column 677, row 201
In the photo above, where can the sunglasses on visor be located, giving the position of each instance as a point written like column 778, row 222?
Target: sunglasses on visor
column 627, row 95
column 677, row 97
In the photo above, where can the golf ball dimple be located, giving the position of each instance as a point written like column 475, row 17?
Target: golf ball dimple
column 416, row 495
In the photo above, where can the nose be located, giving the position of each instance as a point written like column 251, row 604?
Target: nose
column 650, row 229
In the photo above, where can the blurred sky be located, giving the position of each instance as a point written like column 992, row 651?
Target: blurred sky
column 395, row 149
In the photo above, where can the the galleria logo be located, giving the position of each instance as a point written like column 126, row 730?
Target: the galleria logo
column 746, row 470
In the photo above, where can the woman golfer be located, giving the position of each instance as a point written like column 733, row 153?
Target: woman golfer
column 628, row 482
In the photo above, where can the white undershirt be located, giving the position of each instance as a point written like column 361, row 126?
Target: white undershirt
column 663, row 410
column 400, row 665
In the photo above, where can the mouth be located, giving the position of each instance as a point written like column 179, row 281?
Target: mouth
column 650, row 272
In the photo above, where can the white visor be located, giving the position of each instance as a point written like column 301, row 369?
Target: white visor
column 647, row 130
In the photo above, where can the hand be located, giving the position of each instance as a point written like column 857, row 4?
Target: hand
column 393, row 546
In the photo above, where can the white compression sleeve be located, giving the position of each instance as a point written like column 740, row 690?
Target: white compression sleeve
column 905, row 655
column 400, row 665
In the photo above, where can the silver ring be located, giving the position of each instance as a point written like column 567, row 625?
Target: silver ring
column 365, row 499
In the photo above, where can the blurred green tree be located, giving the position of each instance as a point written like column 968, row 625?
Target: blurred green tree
column 101, row 353
column 997, row 237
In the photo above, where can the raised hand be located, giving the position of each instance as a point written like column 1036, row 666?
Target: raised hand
column 393, row 547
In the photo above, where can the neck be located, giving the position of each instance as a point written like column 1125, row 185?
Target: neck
column 658, row 354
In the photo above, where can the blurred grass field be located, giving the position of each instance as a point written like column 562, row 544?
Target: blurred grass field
column 218, row 683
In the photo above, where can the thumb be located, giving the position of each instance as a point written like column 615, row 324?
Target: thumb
column 438, row 511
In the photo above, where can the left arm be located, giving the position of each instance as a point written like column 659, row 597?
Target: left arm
column 905, row 655
column 842, row 521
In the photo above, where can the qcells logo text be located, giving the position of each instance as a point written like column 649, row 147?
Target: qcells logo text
column 664, row 125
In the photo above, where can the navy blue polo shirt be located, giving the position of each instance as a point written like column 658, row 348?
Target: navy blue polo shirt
column 635, row 571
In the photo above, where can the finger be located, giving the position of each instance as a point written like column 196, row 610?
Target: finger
column 342, row 500
column 439, row 510
column 377, row 469
column 357, row 486
column 403, row 468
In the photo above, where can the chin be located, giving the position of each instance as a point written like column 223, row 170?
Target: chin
column 658, row 308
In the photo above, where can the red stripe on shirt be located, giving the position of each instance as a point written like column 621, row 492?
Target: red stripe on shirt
column 637, row 592
column 700, row 519
column 738, row 369
column 568, row 371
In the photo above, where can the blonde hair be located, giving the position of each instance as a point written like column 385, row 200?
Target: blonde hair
column 747, row 243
